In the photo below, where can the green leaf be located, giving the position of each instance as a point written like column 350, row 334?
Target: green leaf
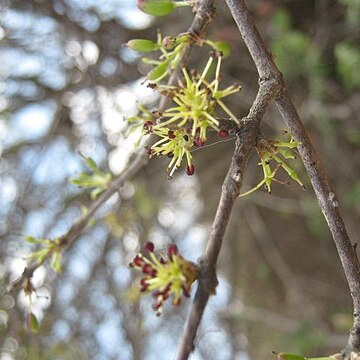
column 32, row 322
column 55, row 262
column 222, row 46
column 98, row 179
column 142, row 45
column 149, row 61
column 156, row 7
column 91, row 163
column 33, row 240
column 289, row 356
column 348, row 64
column 159, row 71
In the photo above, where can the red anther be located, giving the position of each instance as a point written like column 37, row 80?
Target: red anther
column 171, row 134
column 138, row 260
column 149, row 246
column 143, row 285
column 190, row 169
column 199, row 142
column 156, row 293
column 148, row 123
column 157, row 305
column 149, row 270
column 172, row 250
column 223, row 134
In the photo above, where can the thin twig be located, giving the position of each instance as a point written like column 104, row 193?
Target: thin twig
column 325, row 196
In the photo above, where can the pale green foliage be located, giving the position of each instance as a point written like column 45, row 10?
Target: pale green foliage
column 48, row 248
column 348, row 64
column 185, row 124
column 295, row 54
column 32, row 322
column 171, row 49
column 352, row 11
column 98, row 179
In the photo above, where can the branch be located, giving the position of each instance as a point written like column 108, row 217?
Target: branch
column 325, row 196
column 204, row 14
column 247, row 136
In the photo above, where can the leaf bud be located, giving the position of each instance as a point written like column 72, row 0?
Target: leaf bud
column 142, row 45
column 156, row 7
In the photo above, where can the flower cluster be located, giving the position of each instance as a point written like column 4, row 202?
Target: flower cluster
column 186, row 124
column 196, row 100
column 270, row 150
column 165, row 276
column 50, row 248
column 175, row 144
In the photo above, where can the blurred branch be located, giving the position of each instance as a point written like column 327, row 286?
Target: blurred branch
column 325, row 196
column 295, row 289
column 275, row 321
column 203, row 16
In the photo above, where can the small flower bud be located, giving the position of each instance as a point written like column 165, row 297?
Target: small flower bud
column 190, row 169
column 138, row 260
column 169, row 42
column 149, row 246
column 143, row 285
column 223, row 134
column 149, row 270
column 142, row 45
column 172, row 250
column 199, row 142
column 156, row 7
column 159, row 71
column 148, row 127
column 148, row 123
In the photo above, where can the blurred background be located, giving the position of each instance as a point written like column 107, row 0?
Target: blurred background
column 66, row 87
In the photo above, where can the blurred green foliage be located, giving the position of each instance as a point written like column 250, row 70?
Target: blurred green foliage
column 296, row 54
column 347, row 55
column 352, row 11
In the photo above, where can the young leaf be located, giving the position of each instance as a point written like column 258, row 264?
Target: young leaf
column 156, row 7
column 159, row 71
column 33, row 240
column 55, row 262
column 91, row 163
column 142, row 45
column 32, row 322
column 222, row 46
column 288, row 356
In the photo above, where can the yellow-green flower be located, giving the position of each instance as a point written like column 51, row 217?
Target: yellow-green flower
column 196, row 101
column 165, row 276
column 176, row 144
